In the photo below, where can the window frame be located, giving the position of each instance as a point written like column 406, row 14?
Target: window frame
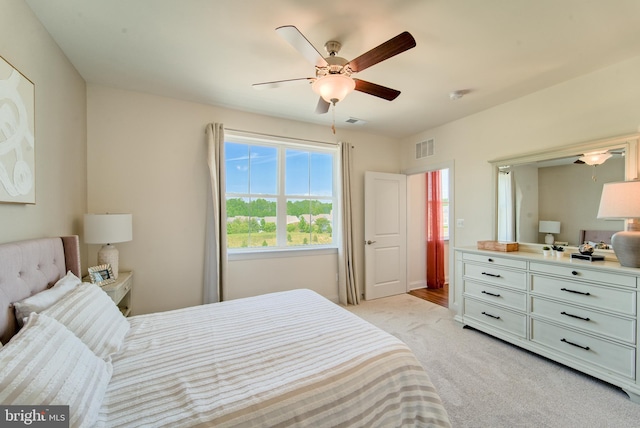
column 281, row 144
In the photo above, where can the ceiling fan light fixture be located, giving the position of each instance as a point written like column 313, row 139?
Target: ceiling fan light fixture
column 595, row 158
column 333, row 87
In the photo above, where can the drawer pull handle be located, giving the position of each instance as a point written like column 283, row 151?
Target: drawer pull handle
column 576, row 292
column 586, row 348
column 491, row 274
column 489, row 315
column 574, row 272
column 491, row 260
column 490, row 294
column 575, row 316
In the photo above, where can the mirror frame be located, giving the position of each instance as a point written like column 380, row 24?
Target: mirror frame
column 627, row 142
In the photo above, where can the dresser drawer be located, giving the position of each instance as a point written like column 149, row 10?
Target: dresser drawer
column 504, row 319
column 578, row 272
column 608, row 325
column 595, row 296
column 496, row 275
column 496, row 295
column 497, row 261
column 609, row 356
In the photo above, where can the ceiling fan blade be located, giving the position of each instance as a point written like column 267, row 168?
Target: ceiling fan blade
column 281, row 83
column 392, row 47
column 322, row 106
column 376, row 90
column 300, row 43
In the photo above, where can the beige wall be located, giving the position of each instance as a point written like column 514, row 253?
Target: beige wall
column 568, row 194
column 60, row 129
column 595, row 106
column 146, row 156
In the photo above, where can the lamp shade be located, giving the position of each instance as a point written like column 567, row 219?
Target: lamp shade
column 596, row 158
column 333, row 87
column 620, row 200
column 549, row 226
column 107, row 228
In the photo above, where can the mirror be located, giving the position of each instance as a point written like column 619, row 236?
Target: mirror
column 555, row 186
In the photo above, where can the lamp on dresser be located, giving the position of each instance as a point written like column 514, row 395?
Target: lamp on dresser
column 549, row 227
column 108, row 229
column 621, row 201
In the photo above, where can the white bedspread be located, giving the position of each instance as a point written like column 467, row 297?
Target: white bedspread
column 282, row 359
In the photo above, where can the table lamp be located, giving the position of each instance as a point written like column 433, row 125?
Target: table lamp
column 108, row 229
column 621, row 201
column 549, row 227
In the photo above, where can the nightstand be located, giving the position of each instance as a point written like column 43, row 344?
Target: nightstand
column 120, row 291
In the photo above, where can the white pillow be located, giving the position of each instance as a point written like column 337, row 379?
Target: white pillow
column 45, row 364
column 46, row 298
column 92, row 316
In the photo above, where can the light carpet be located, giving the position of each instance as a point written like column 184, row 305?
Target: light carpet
column 485, row 382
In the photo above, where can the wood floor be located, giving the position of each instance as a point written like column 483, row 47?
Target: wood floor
column 439, row 296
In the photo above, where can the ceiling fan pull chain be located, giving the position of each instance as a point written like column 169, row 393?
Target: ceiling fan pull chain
column 333, row 125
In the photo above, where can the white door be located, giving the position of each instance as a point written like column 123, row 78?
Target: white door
column 385, row 234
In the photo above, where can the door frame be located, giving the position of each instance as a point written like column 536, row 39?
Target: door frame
column 453, row 302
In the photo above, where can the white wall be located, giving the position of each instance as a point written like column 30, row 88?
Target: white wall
column 146, row 156
column 595, row 106
column 60, row 130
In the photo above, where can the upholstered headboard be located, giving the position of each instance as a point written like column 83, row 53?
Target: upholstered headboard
column 596, row 236
column 28, row 267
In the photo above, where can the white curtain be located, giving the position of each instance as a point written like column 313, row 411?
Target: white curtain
column 348, row 292
column 506, row 207
column 215, row 262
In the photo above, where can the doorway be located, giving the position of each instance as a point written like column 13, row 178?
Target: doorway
column 416, row 226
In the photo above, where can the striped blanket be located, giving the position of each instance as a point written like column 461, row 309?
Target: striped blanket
column 288, row 359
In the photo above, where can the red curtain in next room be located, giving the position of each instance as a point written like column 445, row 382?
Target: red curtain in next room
column 435, row 242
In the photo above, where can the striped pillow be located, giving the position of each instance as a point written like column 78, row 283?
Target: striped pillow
column 45, row 364
column 44, row 299
column 92, row 316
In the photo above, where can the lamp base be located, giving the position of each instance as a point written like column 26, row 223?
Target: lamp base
column 109, row 254
column 626, row 245
column 549, row 239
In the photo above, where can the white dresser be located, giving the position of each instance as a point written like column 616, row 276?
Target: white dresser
column 578, row 313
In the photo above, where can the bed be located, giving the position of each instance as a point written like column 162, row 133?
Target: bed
column 596, row 237
column 282, row 359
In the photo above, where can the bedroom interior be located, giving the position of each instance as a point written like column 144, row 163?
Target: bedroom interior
column 121, row 103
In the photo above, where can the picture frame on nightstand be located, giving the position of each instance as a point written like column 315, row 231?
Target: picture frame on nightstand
column 101, row 275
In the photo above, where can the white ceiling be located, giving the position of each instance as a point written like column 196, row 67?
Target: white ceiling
column 211, row 51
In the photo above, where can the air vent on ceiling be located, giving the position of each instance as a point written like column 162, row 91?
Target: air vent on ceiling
column 355, row 121
column 424, row 148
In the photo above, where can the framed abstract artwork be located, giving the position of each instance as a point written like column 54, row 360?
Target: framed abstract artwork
column 17, row 136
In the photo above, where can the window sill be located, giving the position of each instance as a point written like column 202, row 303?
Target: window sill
column 281, row 253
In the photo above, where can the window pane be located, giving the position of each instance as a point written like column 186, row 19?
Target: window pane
column 297, row 173
column 237, row 167
column 309, row 222
column 321, row 174
column 263, row 169
column 251, row 222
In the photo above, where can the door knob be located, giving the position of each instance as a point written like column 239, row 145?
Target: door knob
column 369, row 242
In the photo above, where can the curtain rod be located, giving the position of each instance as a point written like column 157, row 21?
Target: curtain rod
column 279, row 136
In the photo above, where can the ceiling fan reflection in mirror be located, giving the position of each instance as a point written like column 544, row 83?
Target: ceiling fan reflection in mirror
column 333, row 75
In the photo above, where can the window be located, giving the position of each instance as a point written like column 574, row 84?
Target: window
column 279, row 194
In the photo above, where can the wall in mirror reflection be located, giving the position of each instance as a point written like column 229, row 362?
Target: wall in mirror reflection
column 568, row 193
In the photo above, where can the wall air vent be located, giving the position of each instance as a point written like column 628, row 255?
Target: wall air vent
column 425, row 148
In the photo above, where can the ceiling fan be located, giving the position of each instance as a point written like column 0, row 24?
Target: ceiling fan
column 333, row 79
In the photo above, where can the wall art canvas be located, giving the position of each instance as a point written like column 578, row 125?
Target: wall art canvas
column 17, row 136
